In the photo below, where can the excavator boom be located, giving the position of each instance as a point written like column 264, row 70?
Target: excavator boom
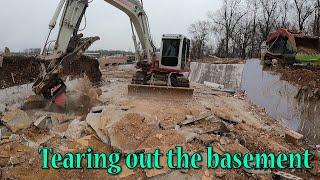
column 69, row 44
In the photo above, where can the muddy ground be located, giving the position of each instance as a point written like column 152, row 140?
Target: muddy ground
column 227, row 122
column 17, row 70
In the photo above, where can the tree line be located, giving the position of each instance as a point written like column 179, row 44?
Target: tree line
column 239, row 27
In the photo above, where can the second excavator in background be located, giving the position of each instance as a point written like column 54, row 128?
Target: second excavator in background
column 158, row 70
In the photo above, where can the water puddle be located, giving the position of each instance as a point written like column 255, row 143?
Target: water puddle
column 279, row 98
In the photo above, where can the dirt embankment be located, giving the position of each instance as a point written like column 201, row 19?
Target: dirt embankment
column 308, row 76
column 17, row 70
column 217, row 60
column 306, row 50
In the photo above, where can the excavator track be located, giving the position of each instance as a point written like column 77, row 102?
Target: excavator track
column 178, row 87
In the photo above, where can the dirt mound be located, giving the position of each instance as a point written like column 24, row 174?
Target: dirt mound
column 301, row 75
column 17, row 70
column 216, row 60
column 306, row 50
column 87, row 65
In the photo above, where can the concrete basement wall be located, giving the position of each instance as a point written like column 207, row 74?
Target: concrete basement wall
column 229, row 75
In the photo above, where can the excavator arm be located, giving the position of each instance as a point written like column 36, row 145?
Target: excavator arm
column 134, row 9
column 69, row 44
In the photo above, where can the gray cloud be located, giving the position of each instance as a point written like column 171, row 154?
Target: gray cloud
column 24, row 24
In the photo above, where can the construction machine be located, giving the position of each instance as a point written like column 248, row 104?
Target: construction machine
column 289, row 47
column 163, row 71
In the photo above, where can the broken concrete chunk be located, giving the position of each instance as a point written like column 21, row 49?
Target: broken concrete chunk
column 226, row 115
column 98, row 124
column 27, row 142
column 85, row 141
column 36, row 142
column 127, row 134
column 218, row 127
column 5, row 131
column 17, row 159
column 189, row 117
column 192, row 119
column 224, row 141
column 59, row 130
column 76, row 129
column 59, row 118
column 213, row 85
column 14, row 137
column 3, row 108
column 284, row 175
column 44, row 122
column 16, row 120
column 188, row 134
column 293, row 137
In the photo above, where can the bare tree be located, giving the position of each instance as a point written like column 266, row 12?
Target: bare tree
column 284, row 13
column 253, row 7
column 316, row 22
column 304, row 9
column 226, row 20
column 242, row 38
column 200, row 32
column 240, row 26
column 267, row 22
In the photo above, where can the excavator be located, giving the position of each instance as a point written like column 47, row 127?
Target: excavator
column 158, row 71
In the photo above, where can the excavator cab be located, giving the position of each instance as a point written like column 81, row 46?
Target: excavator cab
column 174, row 52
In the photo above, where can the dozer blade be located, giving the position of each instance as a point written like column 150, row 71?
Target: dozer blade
column 162, row 91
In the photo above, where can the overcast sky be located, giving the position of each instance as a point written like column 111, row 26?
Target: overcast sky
column 24, row 23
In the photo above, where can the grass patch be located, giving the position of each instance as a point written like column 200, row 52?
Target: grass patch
column 308, row 58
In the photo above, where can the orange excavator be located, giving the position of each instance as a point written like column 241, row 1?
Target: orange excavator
column 288, row 45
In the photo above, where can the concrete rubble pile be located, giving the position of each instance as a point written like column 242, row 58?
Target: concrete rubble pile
column 105, row 119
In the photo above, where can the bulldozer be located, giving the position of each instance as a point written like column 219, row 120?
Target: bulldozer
column 290, row 47
column 159, row 70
